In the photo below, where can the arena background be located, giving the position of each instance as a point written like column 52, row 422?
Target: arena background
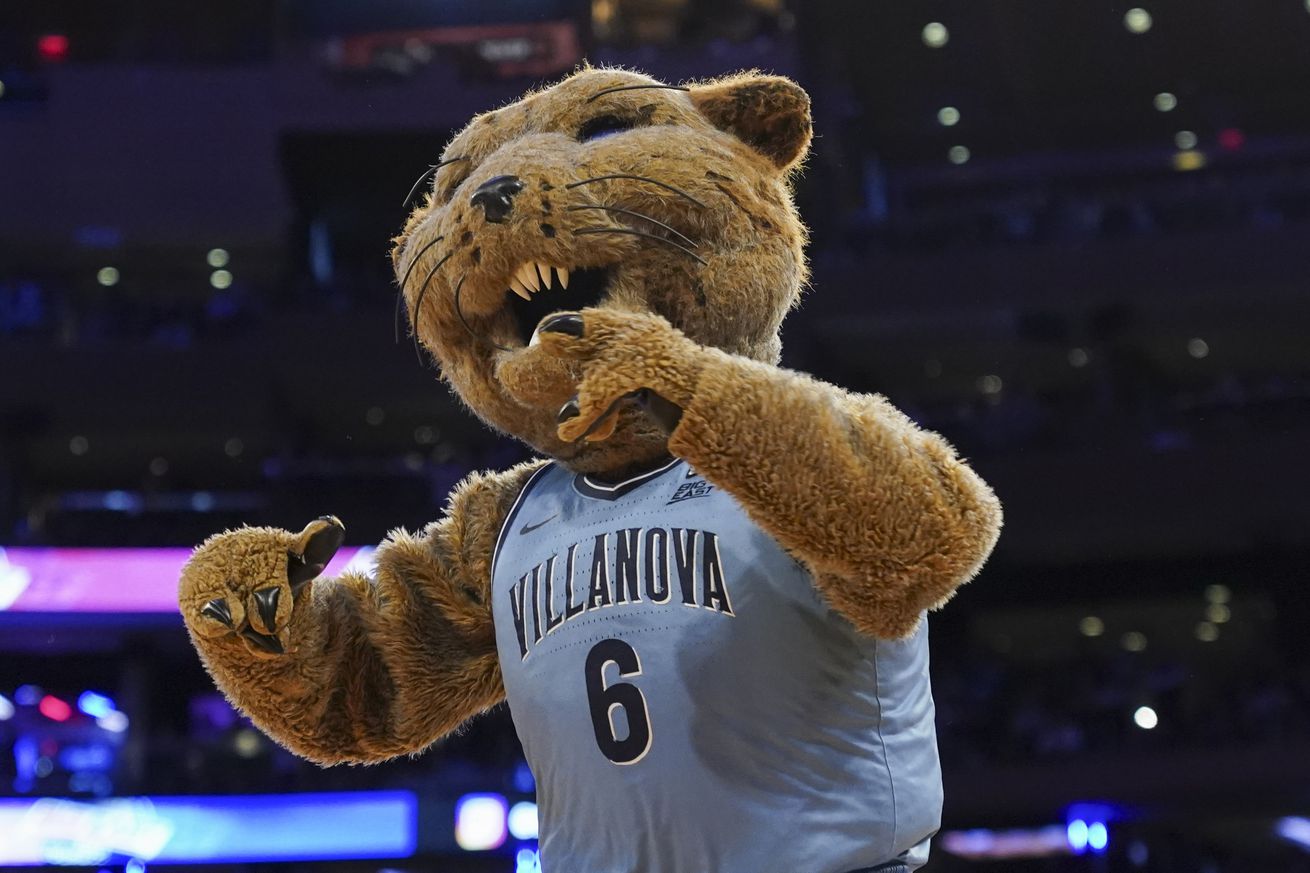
column 1072, row 236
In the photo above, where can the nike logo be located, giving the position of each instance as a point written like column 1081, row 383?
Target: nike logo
column 529, row 528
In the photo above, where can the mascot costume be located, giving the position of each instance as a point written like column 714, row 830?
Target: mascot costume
column 705, row 604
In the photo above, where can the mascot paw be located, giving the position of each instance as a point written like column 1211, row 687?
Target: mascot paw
column 626, row 357
column 244, row 583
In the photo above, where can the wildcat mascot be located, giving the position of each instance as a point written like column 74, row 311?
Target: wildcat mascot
column 705, row 604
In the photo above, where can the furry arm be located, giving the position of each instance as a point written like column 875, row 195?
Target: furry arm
column 355, row 668
column 887, row 517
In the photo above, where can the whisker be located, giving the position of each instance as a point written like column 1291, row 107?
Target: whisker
column 427, row 174
column 664, row 185
column 637, row 215
column 414, row 262
column 459, row 286
column 400, row 292
column 418, row 313
column 636, row 88
column 418, row 304
column 642, row 233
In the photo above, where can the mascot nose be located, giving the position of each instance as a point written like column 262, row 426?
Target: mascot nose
column 496, row 197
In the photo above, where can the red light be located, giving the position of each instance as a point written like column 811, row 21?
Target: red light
column 54, row 708
column 1231, row 139
column 52, row 47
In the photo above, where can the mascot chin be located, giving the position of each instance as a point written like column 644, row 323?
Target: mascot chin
column 705, row 603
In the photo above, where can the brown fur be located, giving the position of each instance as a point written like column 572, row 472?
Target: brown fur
column 888, row 519
column 373, row 668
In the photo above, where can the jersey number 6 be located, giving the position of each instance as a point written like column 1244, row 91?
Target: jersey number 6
column 604, row 699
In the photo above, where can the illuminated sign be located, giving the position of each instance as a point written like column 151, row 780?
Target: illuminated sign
column 209, row 829
column 109, row 580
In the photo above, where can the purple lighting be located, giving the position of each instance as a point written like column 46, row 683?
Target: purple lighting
column 108, row 580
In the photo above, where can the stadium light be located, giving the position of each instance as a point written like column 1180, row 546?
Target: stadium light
column 1294, row 828
column 1187, row 161
column 1098, row 837
column 55, row 709
column 986, row 844
column 935, row 34
column 1076, row 832
column 1138, row 20
column 52, row 47
column 523, row 780
column 481, row 822
column 1231, row 138
column 1088, row 826
column 523, row 820
column 95, row 705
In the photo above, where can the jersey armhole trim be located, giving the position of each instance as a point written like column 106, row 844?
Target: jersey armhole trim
column 513, row 513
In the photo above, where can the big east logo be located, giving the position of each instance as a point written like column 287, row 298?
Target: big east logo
column 688, row 490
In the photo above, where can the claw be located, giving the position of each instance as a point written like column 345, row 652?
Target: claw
column 569, row 411
column 323, row 544
column 569, row 323
column 218, row 610
column 318, row 549
column 301, row 572
column 266, row 602
column 263, row 642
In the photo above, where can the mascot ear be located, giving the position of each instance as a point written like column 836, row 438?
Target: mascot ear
column 771, row 114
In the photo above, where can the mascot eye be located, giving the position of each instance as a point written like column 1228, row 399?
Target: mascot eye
column 604, row 125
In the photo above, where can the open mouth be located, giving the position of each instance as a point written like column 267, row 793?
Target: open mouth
column 537, row 290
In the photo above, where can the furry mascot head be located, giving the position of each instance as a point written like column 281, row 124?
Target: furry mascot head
column 608, row 190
